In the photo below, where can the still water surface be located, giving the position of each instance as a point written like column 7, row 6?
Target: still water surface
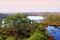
column 55, row 32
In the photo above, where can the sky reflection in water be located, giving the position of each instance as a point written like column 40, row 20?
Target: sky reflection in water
column 55, row 32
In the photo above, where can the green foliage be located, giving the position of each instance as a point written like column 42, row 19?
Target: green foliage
column 8, row 21
column 53, row 17
column 19, row 27
column 18, row 20
column 0, row 23
column 1, row 38
column 41, row 26
column 37, row 36
column 52, row 20
column 10, row 38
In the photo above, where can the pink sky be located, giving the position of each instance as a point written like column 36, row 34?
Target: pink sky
column 29, row 6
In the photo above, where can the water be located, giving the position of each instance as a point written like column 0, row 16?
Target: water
column 35, row 17
column 55, row 32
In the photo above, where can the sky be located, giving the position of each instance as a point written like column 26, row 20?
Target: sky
column 10, row 6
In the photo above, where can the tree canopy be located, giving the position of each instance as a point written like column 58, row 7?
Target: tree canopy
column 52, row 19
column 18, row 20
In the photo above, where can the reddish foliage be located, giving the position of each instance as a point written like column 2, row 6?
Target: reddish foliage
column 51, row 38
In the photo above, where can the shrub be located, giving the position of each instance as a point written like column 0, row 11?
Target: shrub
column 37, row 36
column 1, row 38
column 10, row 38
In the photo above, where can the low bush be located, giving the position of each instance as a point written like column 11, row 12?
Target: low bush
column 37, row 36
column 10, row 38
column 1, row 38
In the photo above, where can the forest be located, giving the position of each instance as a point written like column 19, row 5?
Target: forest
column 19, row 27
